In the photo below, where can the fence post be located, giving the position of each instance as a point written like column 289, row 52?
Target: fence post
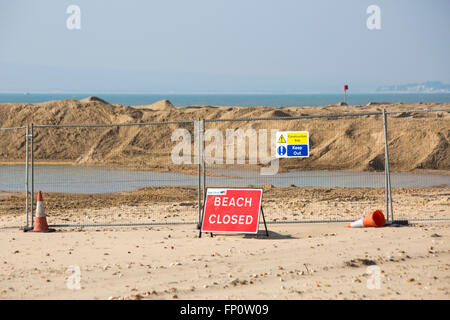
column 387, row 172
column 389, row 184
column 26, row 177
column 32, row 175
column 203, row 160
column 199, row 157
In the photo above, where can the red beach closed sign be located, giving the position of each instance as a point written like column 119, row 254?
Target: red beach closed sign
column 232, row 210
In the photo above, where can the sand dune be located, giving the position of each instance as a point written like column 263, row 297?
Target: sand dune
column 416, row 140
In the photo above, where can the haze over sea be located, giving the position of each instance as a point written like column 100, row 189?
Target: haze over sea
column 235, row 99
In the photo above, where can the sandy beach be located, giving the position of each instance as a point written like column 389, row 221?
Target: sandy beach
column 167, row 260
column 297, row 261
column 171, row 262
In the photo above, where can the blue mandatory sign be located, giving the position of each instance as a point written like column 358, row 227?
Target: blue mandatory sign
column 297, row 150
column 281, row 150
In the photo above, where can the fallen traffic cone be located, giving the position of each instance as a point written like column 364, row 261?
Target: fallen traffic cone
column 375, row 219
column 40, row 221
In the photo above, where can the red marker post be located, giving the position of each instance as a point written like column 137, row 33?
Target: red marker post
column 345, row 88
column 232, row 211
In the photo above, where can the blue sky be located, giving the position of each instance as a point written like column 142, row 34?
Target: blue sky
column 185, row 46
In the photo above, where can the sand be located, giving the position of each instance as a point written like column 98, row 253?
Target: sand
column 179, row 205
column 417, row 141
column 171, row 262
column 297, row 261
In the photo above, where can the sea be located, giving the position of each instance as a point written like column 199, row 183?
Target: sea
column 234, row 99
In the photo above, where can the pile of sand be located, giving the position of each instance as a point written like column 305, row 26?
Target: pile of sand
column 162, row 105
column 93, row 99
column 416, row 140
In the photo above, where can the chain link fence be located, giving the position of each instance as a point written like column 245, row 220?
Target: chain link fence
column 157, row 172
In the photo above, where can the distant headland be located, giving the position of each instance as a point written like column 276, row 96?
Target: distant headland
column 423, row 87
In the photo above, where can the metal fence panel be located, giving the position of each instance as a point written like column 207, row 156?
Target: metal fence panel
column 151, row 173
column 342, row 180
column 419, row 157
column 13, row 177
column 123, row 174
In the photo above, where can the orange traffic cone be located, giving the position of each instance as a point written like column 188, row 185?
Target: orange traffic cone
column 40, row 221
column 375, row 219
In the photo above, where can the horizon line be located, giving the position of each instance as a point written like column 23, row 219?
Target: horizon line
column 212, row 93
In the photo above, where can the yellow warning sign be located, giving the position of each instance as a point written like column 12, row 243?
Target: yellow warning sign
column 297, row 138
column 292, row 144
